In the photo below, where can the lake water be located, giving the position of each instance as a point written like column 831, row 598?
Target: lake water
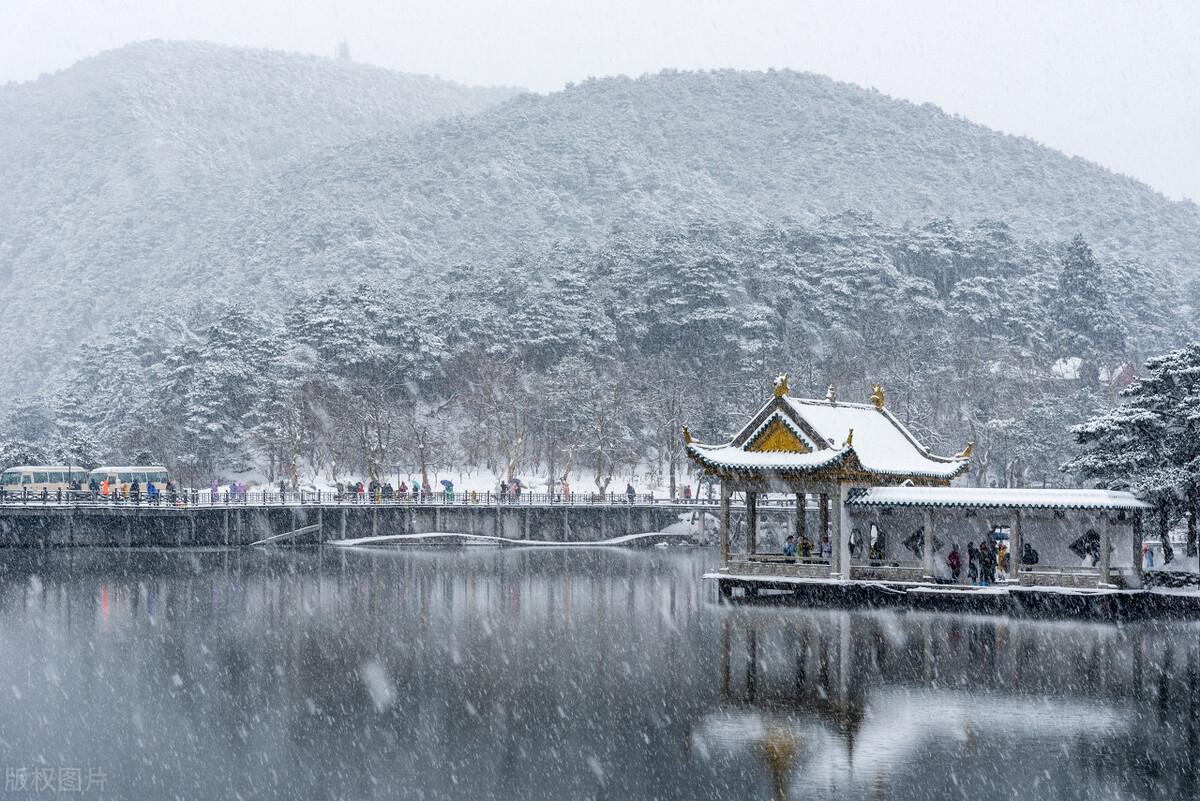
column 555, row 674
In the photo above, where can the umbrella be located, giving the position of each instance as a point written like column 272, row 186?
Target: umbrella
column 447, row 483
column 516, row 481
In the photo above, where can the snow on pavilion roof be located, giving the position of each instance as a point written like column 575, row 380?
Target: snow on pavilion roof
column 880, row 444
column 995, row 498
column 733, row 457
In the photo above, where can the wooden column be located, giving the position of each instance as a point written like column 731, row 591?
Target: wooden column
column 823, row 529
column 751, row 523
column 723, row 529
column 1016, row 546
column 801, row 523
column 927, row 531
column 1102, row 564
column 823, row 520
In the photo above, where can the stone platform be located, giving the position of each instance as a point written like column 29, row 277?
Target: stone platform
column 1003, row 599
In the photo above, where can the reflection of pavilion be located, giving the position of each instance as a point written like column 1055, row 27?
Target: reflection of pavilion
column 885, row 510
column 837, row 701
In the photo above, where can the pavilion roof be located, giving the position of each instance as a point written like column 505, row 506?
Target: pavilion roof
column 731, row 457
column 995, row 498
column 880, row 444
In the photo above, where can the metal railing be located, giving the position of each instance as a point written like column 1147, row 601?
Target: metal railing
column 227, row 498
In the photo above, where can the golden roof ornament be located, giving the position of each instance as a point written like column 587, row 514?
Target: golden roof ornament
column 877, row 397
column 687, row 436
column 831, row 394
column 849, row 439
column 781, row 387
column 966, row 452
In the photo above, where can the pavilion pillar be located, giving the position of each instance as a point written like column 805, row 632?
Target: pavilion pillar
column 841, row 514
column 927, row 546
column 1016, row 542
column 1137, row 536
column 1102, row 563
column 751, row 523
column 801, row 523
column 723, row 527
column 823, row 518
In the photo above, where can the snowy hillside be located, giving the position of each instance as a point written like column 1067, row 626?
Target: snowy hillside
column 119, row 173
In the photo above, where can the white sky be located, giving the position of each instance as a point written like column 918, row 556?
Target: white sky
column 1114, row 81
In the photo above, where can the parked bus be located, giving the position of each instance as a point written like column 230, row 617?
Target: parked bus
column 127, row 474
column 35, row 478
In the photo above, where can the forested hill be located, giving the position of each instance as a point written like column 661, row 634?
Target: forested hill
column 721, row 145
column 118, row 172
column 163, row 176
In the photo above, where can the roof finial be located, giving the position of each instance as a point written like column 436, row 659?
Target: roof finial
column 849, row 443
column 966, row 452
column 687, row 436
column 831, row 394
column 781, row 387
column 877, row 396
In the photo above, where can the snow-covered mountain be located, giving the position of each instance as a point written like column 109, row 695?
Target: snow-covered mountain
column 164, row 174
column 120, row 172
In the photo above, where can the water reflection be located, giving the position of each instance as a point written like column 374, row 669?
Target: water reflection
column 558, row 674
column 889, row 705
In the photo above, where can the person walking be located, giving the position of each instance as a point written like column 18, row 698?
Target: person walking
column 954, row 562
column 972, row 563
column 630, row 492
column 987, row 562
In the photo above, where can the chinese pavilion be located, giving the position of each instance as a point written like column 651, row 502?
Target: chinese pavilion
column 884, row 505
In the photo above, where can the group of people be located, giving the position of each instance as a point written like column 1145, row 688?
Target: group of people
column 379, row 491
column 984, row 560
column 128, row 490
column 805, row 548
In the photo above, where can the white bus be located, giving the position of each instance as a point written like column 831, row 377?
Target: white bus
column 35, row 478
column 143, row 474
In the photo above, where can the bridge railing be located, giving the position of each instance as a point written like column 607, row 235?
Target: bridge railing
column 227, row 498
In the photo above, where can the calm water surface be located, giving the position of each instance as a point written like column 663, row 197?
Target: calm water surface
column 554, row 674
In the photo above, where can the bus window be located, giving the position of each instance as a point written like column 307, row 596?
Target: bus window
column 40, row 477
column 56, row 477
column 12, row 479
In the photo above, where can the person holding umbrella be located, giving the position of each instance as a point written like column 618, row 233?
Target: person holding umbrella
column 449, row 488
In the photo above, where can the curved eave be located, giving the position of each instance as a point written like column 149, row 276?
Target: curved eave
column 957, row 468
column 761, row 461
column 731, row 459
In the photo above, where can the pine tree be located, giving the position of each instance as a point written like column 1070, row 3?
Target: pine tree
column 1151, row 441
column 1087, row 326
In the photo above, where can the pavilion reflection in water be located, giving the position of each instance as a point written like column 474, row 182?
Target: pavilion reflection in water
column 887, row 705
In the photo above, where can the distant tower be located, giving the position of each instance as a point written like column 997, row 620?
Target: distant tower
column 343, row 51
